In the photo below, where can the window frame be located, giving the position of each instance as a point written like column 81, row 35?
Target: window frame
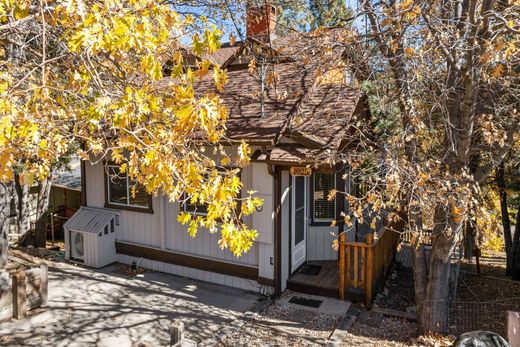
column 194, row 213
column 117, row 206
column 204, row 214
column 321, row 221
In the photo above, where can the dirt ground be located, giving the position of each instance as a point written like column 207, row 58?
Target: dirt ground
column 282, row 325
column 391, row 332
column 399, row 293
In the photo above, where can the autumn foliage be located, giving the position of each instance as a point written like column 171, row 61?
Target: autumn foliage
column 92, row 75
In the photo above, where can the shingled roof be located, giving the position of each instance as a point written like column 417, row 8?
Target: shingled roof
column 242, row 97
column 296, row 103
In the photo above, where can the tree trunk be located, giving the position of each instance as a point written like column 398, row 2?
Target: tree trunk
column 22, row 210
column 469, row 241
column 5, row 209
column 434, row 306
column 506, row 222
column 432, row 276
column 42, row 212
column 515, row 249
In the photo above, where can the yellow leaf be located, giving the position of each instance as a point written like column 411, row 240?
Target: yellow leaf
column 220, row 78
column 184, row 218
column 348, row 221
column 498, row 71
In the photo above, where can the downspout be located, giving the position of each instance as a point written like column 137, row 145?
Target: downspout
column 275, row 172
column 83, row 180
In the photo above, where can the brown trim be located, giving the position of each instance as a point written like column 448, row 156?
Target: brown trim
column 205, row 264
column 299, row 163
column 340, row 198
column 278, row 231
column 83, row 195
column 148, row 209
column 351, row 294
column 312, row 290
column 266, row 281
column 291, row 226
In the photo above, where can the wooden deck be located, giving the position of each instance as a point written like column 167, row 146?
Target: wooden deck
column 325, row 283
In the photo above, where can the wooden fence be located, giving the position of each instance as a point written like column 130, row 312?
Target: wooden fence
column 364, row 266
column 22, row 290
column 425, row 235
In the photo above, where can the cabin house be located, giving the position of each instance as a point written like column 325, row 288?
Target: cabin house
column 295, row 127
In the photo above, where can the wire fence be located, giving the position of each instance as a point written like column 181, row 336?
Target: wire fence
column 467, row 316
column 458, row 317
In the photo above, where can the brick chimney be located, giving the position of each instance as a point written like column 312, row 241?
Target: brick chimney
column 261, row 22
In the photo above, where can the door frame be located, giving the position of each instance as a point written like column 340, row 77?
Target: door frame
column 302, row 245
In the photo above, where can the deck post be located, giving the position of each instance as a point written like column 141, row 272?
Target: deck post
column 44, row 283
column 176, row 332
column 369, row 272
column 341, row 283
column 19, row 295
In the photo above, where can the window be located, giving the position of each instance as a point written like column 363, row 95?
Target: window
column 119, row 191
column 202, row 209
column 323, row 210
column 196, row 209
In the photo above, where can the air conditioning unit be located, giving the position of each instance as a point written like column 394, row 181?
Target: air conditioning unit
column 90, row 237
column 77, row 250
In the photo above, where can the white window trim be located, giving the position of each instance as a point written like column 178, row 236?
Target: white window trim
column 128, row 204
column 195, row 213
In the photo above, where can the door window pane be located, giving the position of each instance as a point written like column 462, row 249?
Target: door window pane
column 299, row 209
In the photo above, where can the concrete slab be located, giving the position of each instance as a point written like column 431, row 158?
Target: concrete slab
column 328, row 306
column 90, row 307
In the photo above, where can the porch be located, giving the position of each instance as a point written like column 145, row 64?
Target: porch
column 309, row 264
column 364, row 266
column 357, row 275
column 320, row 277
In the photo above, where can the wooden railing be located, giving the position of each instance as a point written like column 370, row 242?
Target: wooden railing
column 364, row 266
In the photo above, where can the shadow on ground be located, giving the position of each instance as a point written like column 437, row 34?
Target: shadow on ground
column 105, row 308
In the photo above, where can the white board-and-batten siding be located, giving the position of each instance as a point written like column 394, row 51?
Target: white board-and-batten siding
column 319, row 243
column 162, row 230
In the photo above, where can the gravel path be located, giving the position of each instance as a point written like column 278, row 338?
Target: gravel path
column 285, row 326
column 391, row 332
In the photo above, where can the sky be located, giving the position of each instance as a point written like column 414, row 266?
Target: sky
column 229, row 28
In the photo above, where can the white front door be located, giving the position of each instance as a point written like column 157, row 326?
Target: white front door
column 298, row 222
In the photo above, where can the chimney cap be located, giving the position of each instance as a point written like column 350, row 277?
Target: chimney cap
column 261, row 21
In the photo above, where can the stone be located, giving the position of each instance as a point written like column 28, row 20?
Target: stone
column 363, row 317
column 411, row 309
column 375, row 319
column 353, row 310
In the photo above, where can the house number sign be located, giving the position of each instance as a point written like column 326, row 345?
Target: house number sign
column 301, row 171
